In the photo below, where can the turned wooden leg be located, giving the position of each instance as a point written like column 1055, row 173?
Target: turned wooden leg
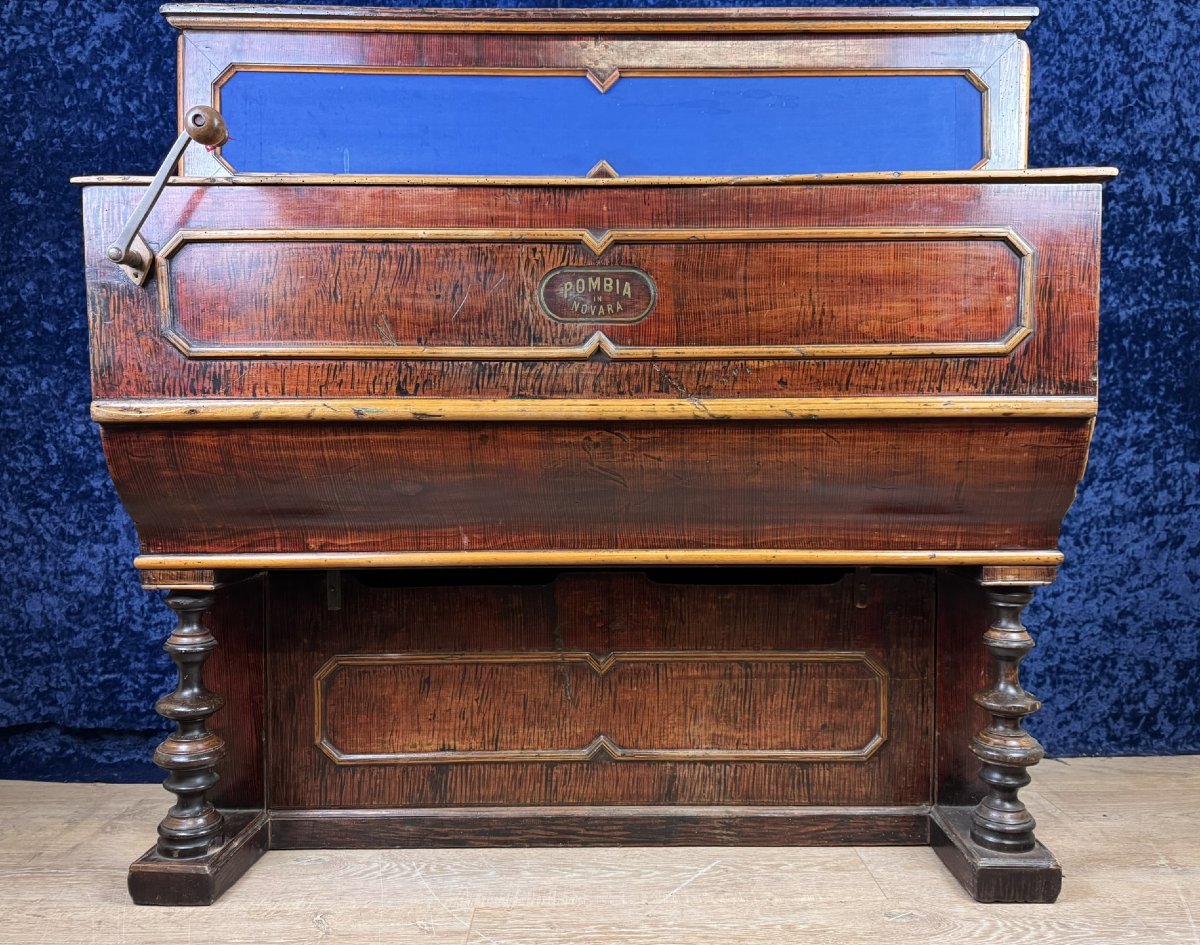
column 1000, row 821
column 200, row 851
column 190, row 754
column 990, row 848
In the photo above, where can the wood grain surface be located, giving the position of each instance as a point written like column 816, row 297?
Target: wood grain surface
column 1124, row 830
column 132, row 358
column 696, row 705
column 605, row 45
column 340, row 487
column 399, row 293
column 396, row 707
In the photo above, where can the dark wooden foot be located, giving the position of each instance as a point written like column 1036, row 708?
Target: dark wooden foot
column 1000, row 821
column 991, row 848
column 157, row 880
column 349, row 828
column 190, row 754
column 1029, row 876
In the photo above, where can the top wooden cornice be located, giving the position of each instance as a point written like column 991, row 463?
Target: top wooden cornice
column 229, row 16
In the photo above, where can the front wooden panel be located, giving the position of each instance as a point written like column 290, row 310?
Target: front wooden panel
column 794, row 290
column 469, row 688
column 879, row 93
column 691, row 718
column 312, row 487
column 532, row 295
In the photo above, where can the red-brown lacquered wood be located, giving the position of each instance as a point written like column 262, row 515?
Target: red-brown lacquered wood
column 723, row 705
column 607, row 45
column 138, row 350
column 693, row 717
column 376, row 296
column 915, row 484
column 453, row 728
column 236, row 671
column 962, row 670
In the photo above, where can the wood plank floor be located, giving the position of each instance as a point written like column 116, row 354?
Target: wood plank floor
column 1126, row 831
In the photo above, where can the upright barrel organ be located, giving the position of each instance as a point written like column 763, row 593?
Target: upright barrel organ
column 596, row 426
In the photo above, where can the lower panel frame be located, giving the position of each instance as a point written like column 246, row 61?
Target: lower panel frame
column 365, row 828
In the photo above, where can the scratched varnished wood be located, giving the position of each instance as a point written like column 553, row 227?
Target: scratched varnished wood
column 1008, row 262
column 1124, row 829
column 599, row 43
column 378, row 295
column 915, row 484
column 1059, row 222
column 462, row 706
column 235, row 670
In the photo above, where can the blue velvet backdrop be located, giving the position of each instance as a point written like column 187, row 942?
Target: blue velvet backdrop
column 88, row 87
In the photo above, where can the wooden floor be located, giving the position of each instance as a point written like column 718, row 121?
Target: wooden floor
column 1126, row 830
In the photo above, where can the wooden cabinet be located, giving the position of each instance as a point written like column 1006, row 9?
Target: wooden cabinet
column 654, row 490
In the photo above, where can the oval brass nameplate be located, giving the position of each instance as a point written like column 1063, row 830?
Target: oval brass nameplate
column 597, row 294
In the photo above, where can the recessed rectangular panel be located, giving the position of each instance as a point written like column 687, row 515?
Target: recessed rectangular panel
column 537, row 687
column 536, row 294
column 346, row 122
column 626, row 706
column 281, row 290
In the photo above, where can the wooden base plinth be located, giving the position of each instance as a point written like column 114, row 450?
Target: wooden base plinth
column 988, row 876
column 599, row 826
column 155, row 880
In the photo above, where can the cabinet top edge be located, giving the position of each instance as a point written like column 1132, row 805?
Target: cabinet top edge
column 547, row 19
column 1061, row 175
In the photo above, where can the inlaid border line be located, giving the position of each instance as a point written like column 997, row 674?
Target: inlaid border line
column 423, row 409
column 601, row 665
column 598, row 244
column 598, row 557
column 604, row 76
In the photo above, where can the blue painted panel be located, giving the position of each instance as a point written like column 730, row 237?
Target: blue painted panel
column 361, row 123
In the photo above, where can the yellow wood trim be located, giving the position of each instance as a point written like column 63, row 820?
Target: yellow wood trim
column 587, row 410
column 180, row 586
column 601, row 745
column 718, row 21
column 598, row 244
column 590, row 71
column 577, row 28
column 597, row 241
column 1074, row 175
column 597, row 342
column 987, row 150
column 1002, row 576
column 600, row 557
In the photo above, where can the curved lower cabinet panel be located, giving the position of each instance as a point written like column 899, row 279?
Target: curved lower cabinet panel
column 915, row 484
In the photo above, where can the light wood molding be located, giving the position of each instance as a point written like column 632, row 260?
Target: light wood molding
column 192, row 16
column 600, row 557
column 430, row 409
column 179, row 580
column 598, row 243
column 1079, row 175
column 1016, row 576
column 601, row 744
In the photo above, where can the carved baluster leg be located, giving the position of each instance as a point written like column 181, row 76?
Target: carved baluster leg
column 1000, row 821
column 200, row 851
column 190, row 754
column 991, row 847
